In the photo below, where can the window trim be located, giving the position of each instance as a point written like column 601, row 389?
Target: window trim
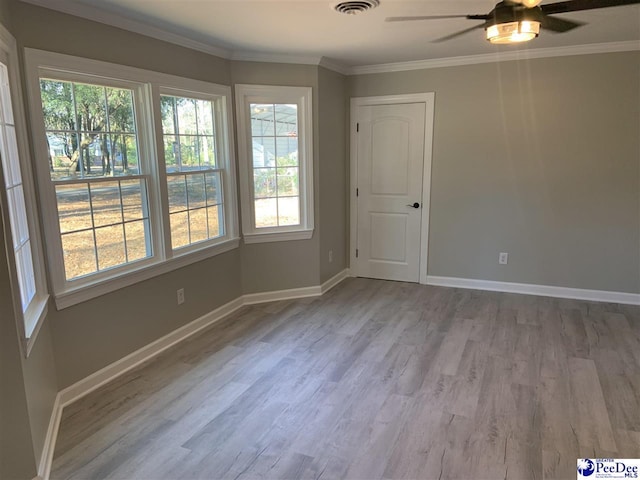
column 149, row 84
column 302, row 96
column 30, row 321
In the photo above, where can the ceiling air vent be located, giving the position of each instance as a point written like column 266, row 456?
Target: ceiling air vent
column 354, row 7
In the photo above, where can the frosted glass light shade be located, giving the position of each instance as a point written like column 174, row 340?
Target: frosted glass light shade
column 513, row 32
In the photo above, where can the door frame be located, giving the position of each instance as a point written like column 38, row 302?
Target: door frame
column 428, row 98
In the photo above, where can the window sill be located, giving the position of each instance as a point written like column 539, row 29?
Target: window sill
column 87, row 292
column 278, row 236
column 37, row 314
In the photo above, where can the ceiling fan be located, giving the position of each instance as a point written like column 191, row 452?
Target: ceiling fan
column 513, row 21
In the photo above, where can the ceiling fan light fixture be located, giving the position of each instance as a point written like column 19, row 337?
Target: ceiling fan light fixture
column 513, row 32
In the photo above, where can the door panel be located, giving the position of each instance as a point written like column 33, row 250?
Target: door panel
column 390, row 158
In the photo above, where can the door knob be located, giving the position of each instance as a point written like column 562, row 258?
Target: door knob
column 414, row 205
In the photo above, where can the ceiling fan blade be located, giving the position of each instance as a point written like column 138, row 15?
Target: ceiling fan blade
column 457, row 34
column 576, row 5
column 558, row 25
column 434, row 17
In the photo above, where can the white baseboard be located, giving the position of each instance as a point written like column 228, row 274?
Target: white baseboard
column 46, row 459
column 541, row 290
column 263, row 297
column 92, row 382
column 316, row 290
column 335, row 280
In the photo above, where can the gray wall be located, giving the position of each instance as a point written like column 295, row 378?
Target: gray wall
column 333, row 164
column 282, row 265
column 537, row 158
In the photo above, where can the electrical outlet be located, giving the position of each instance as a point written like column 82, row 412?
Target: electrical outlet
column 180, row 293
column 330, row 256
column 503, row 258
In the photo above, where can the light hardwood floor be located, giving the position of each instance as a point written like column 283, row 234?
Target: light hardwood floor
column 373, row 380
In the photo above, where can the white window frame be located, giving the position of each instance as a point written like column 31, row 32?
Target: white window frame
column 222, row 137
column 147, row 86
column 28, row 320
column 302, row 97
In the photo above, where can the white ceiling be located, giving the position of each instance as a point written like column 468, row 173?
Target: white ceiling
column 311, row 28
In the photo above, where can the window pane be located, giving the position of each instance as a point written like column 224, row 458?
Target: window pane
column 57, row 105
column 105, row 203
column 264, row 152
column 100, row 155
column 110, row 243
column 188, row 153
column 213, row 190
column 91, row 108
column 289, row 211
column 63, row 155
column 5, row 95
column 18, row 215
column 74, row 211
column 120, row 105
column 286, row 120
column 136, row 244
column 264, row 182
column 186, row 108
column 262, row 122
column 287, row 149
column 207, row 152
column 79, row 254
column 123, row 151
column 11, row 163
column 171, row 153
column 205, row 117
column 177, row 193
column 127, row 154
column 288, row 181
column 132, row 207
column 266, row 211
column 179, row 229
column 214, row 217
column 26, row 277
column 198, row 225
column 168, row 110
column 195, row 191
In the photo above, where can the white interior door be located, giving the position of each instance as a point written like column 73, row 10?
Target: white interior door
column 390, row 147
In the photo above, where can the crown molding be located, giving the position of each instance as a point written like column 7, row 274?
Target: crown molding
column 120, row 21
column 497, row 57
column 247, row 56
column 293, row 59
column 335, row 66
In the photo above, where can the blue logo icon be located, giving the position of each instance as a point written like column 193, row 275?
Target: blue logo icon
column 585, row 467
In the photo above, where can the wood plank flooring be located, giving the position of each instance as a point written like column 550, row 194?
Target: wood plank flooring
column 374, row 380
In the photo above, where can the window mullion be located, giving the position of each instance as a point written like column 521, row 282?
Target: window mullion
column 160, row 179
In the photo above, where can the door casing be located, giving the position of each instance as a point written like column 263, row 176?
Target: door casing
column 428, row 100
